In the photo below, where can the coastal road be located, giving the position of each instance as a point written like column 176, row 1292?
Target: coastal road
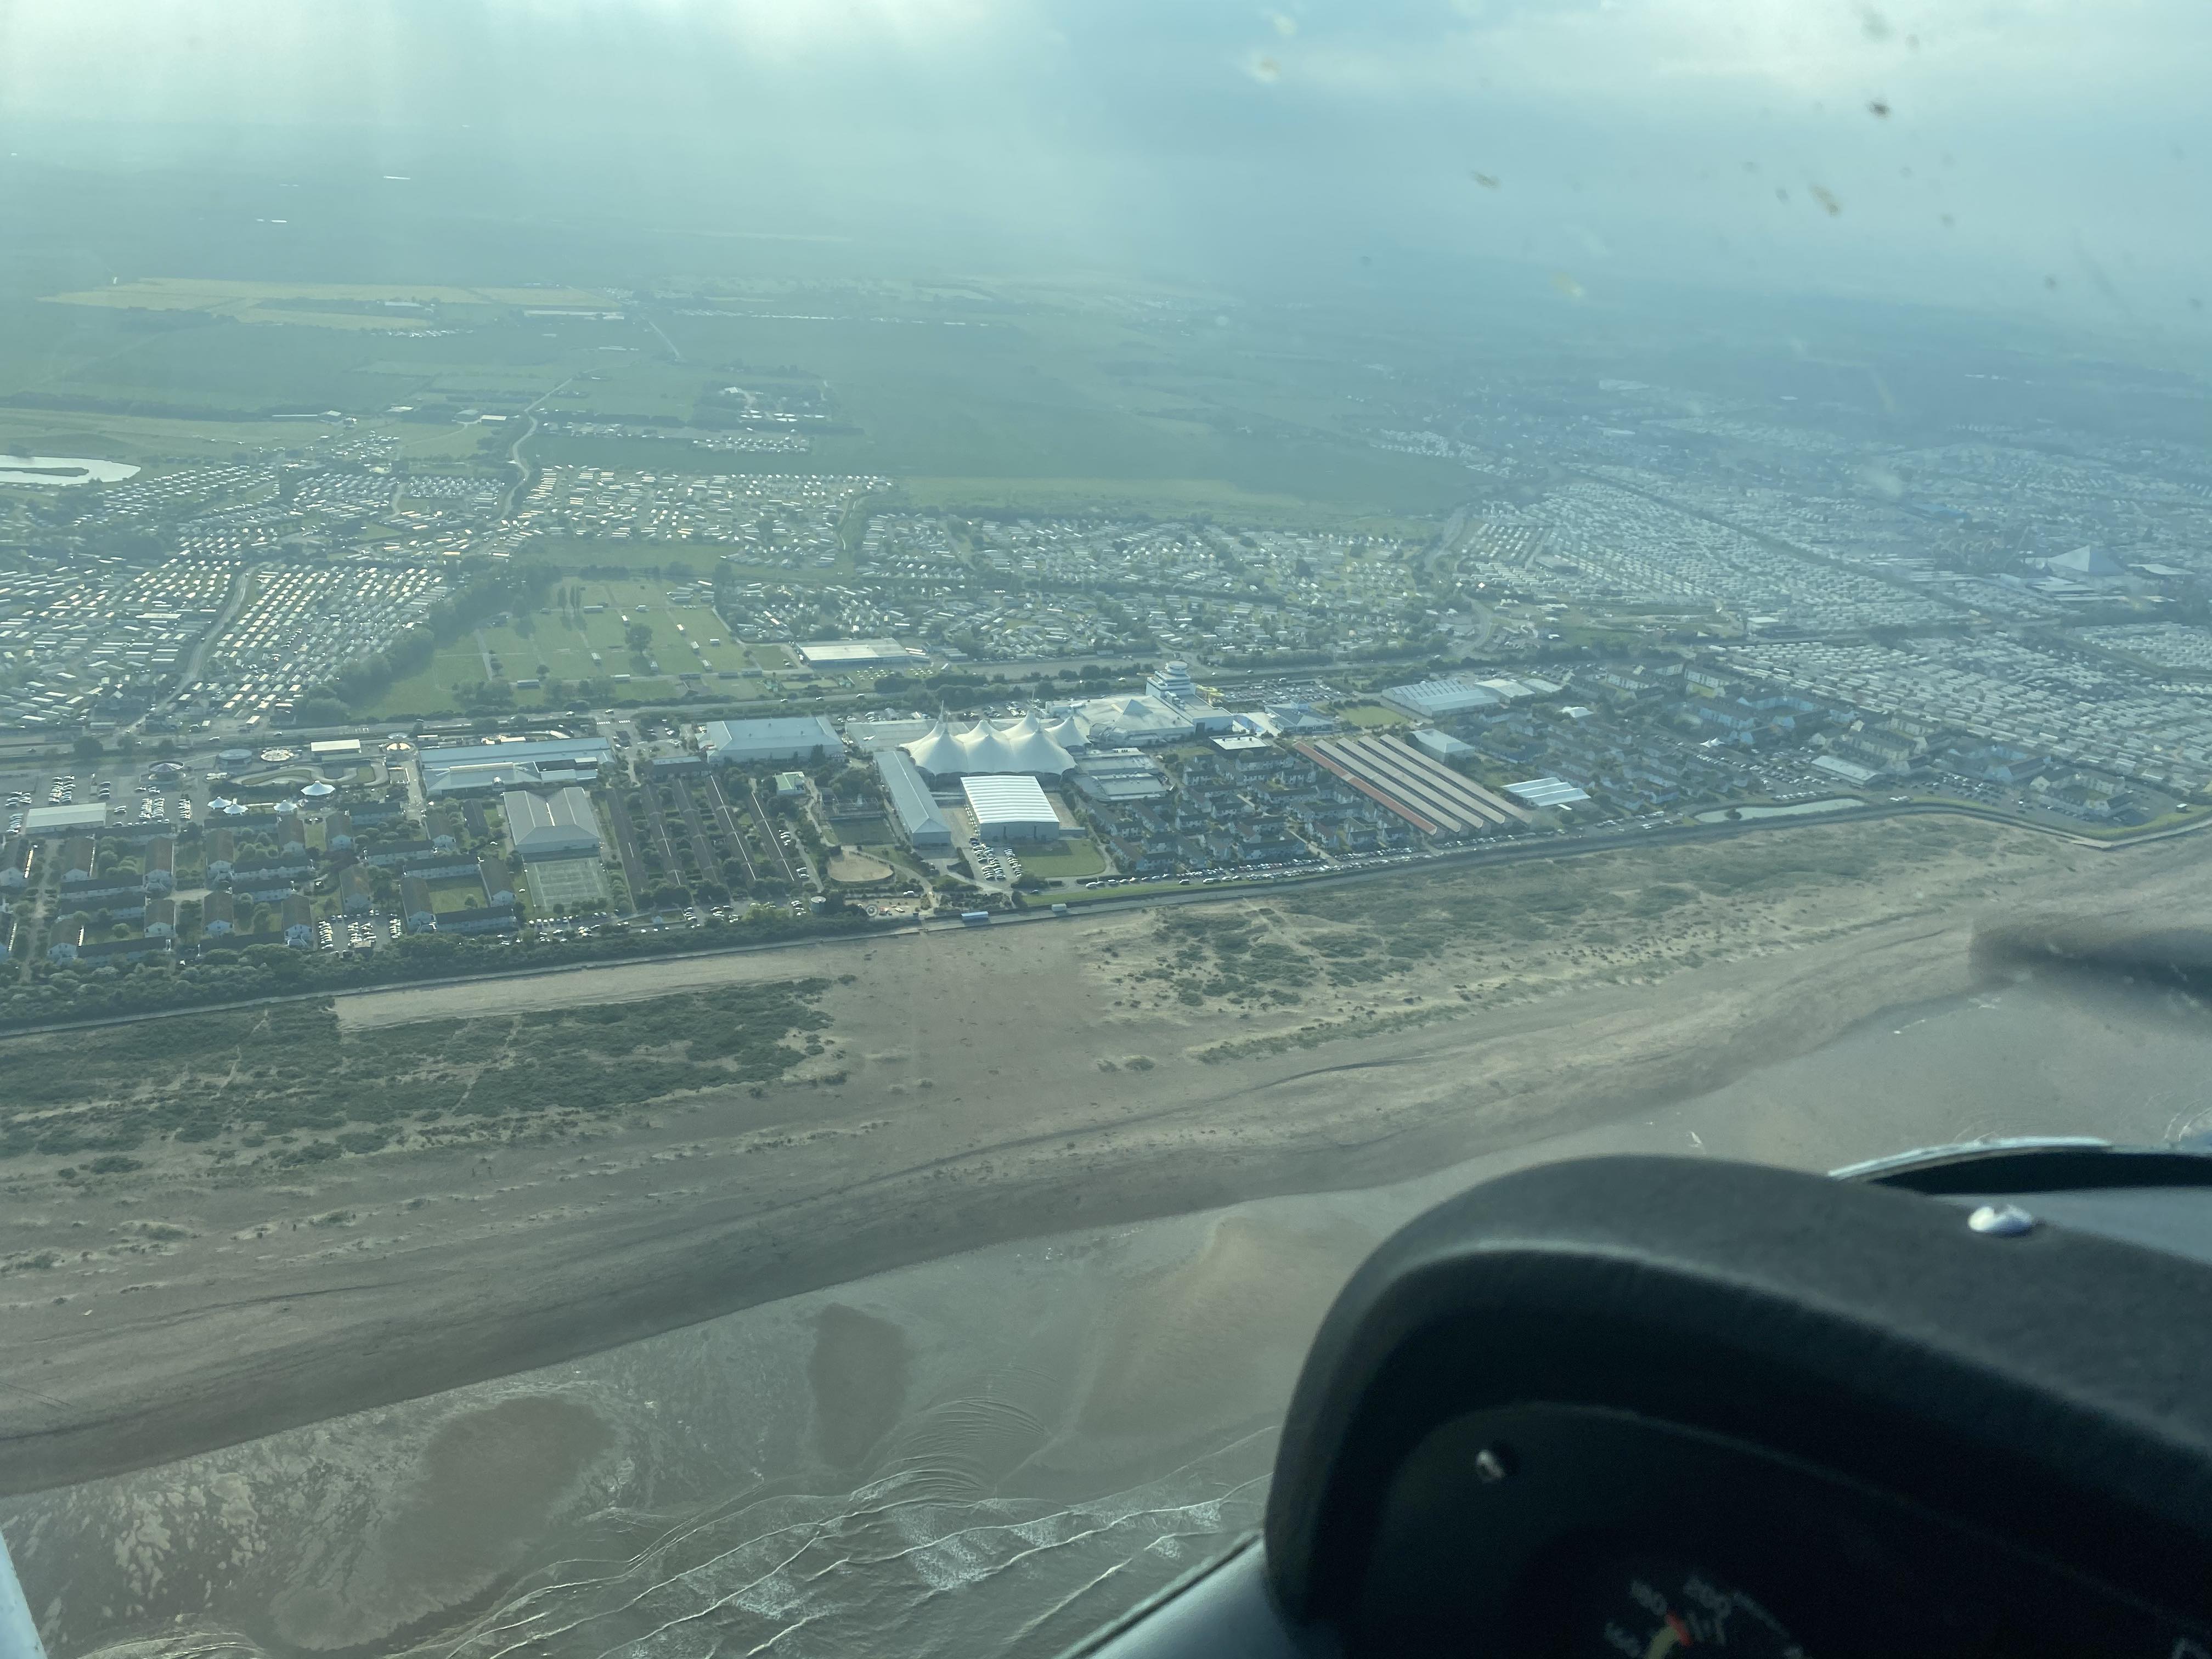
column 1519, row 851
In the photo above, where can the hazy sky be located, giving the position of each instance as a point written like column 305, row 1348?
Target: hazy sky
column 1975, row 150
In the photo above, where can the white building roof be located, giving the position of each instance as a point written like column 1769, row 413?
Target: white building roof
column 498, row 765
column 1013, row 801
column 831, row 653
column 790, row 738
column 1112, row 722
column 1428, row 698
column 47, row 820
column 1546, row 791
column 1021, row 745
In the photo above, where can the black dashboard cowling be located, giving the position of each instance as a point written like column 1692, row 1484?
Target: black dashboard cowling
column 2052, row 1387
column 1998, row 1434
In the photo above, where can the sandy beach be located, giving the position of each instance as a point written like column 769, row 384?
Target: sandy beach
column 972, row 1089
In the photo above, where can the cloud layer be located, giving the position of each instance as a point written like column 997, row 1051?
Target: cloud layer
column 1976, row 151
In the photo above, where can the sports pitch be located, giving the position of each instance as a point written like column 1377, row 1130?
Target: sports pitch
column 566, row 884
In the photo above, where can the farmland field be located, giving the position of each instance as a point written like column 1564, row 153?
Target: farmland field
column 1051, row 405
column 328, row 305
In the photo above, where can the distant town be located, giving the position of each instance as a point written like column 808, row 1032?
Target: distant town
column 319, row 697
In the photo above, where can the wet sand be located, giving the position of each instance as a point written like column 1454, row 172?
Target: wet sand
column 991, row 1452
column 981, row 1088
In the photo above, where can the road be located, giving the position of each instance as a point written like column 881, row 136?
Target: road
column 1520, row 851
column 726, row 816
column 670, row 864
column 772, row 837
column 514, row 450
column 703, row 850
column 233, row 602
column 626, row 849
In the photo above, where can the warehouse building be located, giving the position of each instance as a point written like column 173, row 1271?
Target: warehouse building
column 486, row 766
column 1441, row 745
column 1122, row 722
column 1010, row 809
column 1429, row 700
column 1547, row 792
column 1432, row 798
column 919, row 820
column 561, row 825
column 857, row 654
column 755, row 743
column 1121, row 774
column 63, row 820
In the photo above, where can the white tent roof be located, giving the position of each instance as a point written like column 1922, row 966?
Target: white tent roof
column 1021, row 746
column 937, row 752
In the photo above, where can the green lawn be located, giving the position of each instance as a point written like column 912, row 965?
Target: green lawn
column 451, row 893
column 563, row 639
column 1371, row 714
column 1056, row 859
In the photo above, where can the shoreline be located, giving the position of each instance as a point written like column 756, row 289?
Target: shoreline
column 1594, row 845
column 1016, row 1084
column 148, row 1389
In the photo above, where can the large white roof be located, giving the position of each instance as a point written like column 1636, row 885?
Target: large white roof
column 1008, row 800
column 1021, row 745
column 1126, row 719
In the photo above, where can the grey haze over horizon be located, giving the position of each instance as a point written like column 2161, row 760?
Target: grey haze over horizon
column 2025, row 157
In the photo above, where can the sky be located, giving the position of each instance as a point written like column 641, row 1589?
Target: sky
column 2026, row 155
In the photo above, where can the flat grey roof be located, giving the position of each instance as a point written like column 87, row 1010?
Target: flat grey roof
column 909, row 797
column 1547, row 792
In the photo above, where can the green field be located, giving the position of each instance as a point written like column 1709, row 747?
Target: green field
column 561, row 640
column 1054, row 860
column 452, row 893
column 1050, row 397
column 1371, row 714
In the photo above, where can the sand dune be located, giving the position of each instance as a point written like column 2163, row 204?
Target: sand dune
column 976, row 1087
